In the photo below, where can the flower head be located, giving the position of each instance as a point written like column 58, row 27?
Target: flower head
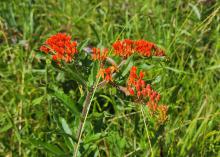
column 97, row 54
column 106, row 73
column 137, row 87
column 124, row 48
column 60, row 47
column 127, row 47
column 144, row 48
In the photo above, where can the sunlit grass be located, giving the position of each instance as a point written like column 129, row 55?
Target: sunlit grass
column 35, row 119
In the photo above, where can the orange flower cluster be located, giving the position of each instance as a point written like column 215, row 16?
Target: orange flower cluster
column 148, row 49
column 97, row 54
column 137, row 86
column 60, row 46
column 124, row 48
column 106, row 73
column 127, row 47
column 145, row 48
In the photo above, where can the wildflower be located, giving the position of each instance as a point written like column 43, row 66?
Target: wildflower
column 127, row 47
column 131, row 91
column 106, row 73
column 97, row 54
column 124, row 48
column 153, row 96
column 44, row 49
column 60, row 47
column 54, row 57
column 144, row 48
column 101, row 73
column 137, row 87
column 139, row 94
column 133, row 76
column 136, row 81
column 141, row 75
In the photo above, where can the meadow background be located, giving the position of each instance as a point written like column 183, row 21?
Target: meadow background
column 40, row 104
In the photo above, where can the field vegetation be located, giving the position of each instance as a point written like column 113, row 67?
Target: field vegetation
column 41, row 102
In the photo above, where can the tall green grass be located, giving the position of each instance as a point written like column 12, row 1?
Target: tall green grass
column 40, row 105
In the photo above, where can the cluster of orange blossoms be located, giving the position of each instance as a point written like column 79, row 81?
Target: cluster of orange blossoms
column 106, row 73
column 101, row 55
column 97, row 54
column 137, row 87
column 124, row 48
column 127, row 47
column 61, row 47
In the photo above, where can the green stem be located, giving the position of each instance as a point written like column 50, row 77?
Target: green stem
column 85, row 111
column 148, row 137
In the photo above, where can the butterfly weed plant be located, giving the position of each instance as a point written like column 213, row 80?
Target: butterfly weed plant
column 106, row 69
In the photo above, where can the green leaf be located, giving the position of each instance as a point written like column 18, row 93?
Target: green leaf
column 157, row 79
column 40, row 55
column 214, row 67
column 83, row 44
column 37, row 100
column 95, row 32
column 176, row 70
column 94, row 138
column 129, row 63
column 47, row 146
column 196, row 10
column 66, row 129
column 65, row 126
column 6, row 127
column 67, row 101
column 158, row 58
column 146, row 66
column 75, row 74
column 92, row 76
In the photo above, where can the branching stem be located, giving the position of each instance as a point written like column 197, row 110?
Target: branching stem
column 86, row 107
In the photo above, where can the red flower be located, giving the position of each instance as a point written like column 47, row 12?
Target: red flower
column 106, row 74
column 131, row 91
column 144, row 48
column 98, row 55
column 132, row 76
column 44, row 49
column 60, row 46
column 137, row 87
column 127, row 47
column 141, row 75
column 124, row 48
column 54, row 57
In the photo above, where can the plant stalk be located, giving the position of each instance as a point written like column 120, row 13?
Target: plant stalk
column 148, row 137
column 85, row 111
